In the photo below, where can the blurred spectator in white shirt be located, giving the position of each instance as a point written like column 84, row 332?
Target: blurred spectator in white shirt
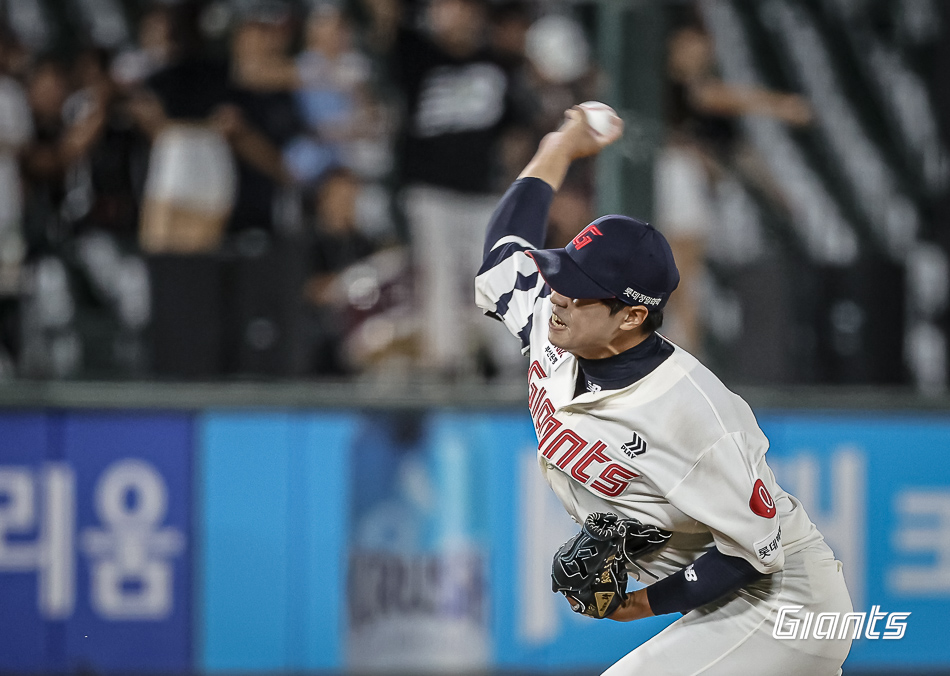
column 213, row 156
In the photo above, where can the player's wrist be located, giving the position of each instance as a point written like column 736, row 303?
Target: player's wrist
column 636, row 607
column 551, row 162
column 570, row 142
column 640, row 603
column 557, row 145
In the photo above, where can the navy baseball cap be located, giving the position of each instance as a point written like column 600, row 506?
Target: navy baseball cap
column 613, row 257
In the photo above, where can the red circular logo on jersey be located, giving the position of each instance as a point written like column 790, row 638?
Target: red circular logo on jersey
column 761, row 502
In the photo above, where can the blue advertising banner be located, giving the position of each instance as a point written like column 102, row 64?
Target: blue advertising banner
column 420, row 550
column 36, row 586
column 416, row 541
column 95, row 512
column 132, row 478
column 274, row 490
column 321, row 488
column 243, row 572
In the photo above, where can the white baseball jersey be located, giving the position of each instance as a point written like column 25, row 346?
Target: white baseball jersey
column 675, row 448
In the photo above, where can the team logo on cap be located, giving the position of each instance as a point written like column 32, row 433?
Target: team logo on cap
column 585, row 236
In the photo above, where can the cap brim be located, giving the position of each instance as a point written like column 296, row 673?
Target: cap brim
column 564, row 275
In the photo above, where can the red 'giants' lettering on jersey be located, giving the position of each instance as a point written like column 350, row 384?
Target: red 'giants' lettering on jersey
column 595, row 454
column 613, row 479
column 569, row 442
column 761, row 502
column 565, row 447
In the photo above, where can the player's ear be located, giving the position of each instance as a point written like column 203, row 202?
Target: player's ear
column 634, row 318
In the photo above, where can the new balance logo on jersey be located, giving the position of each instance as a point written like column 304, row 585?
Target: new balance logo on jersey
column 593, row 387
column 634, row 447
column 690, row 573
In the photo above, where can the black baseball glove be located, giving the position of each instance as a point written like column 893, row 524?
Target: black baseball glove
column 589, row 569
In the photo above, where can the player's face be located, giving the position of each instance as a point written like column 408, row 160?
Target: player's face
column 584, row 327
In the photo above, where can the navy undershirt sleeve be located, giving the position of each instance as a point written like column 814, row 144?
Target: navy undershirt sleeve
column 708, row 578
column 523, row 212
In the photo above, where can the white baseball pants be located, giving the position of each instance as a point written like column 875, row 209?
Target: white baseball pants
column 734, row 637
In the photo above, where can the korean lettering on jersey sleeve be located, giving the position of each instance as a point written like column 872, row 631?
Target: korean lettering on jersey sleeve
column 723, row 492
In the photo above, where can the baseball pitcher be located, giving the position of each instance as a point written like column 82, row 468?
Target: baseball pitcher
column 664, row 468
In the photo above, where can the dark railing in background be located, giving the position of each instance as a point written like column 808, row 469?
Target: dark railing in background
column 411, row 394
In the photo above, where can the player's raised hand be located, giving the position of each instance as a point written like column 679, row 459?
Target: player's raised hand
column 588, row 129
column 576, row 138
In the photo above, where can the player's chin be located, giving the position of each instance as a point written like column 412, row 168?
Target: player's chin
column 557, row 338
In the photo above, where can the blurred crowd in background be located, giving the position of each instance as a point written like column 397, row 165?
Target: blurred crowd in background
column 300, row 189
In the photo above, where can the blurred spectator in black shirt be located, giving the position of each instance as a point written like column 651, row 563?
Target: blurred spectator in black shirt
column 51, row 152
column 106, row 184
column 338, row 241
column 457, row 97
column 261, row 36
column 704, row 107
column 458, row 105
column 83, row 172
column 153, row 51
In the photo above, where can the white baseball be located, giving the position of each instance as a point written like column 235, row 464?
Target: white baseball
column 601, row 117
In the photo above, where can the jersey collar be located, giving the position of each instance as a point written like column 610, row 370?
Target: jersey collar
column 624, row 369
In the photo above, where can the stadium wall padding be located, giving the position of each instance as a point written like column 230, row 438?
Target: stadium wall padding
column 241, row 541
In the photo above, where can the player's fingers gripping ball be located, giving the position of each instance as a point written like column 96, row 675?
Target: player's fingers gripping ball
column 589, row 569
column 603, row 121
column 578, row 133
